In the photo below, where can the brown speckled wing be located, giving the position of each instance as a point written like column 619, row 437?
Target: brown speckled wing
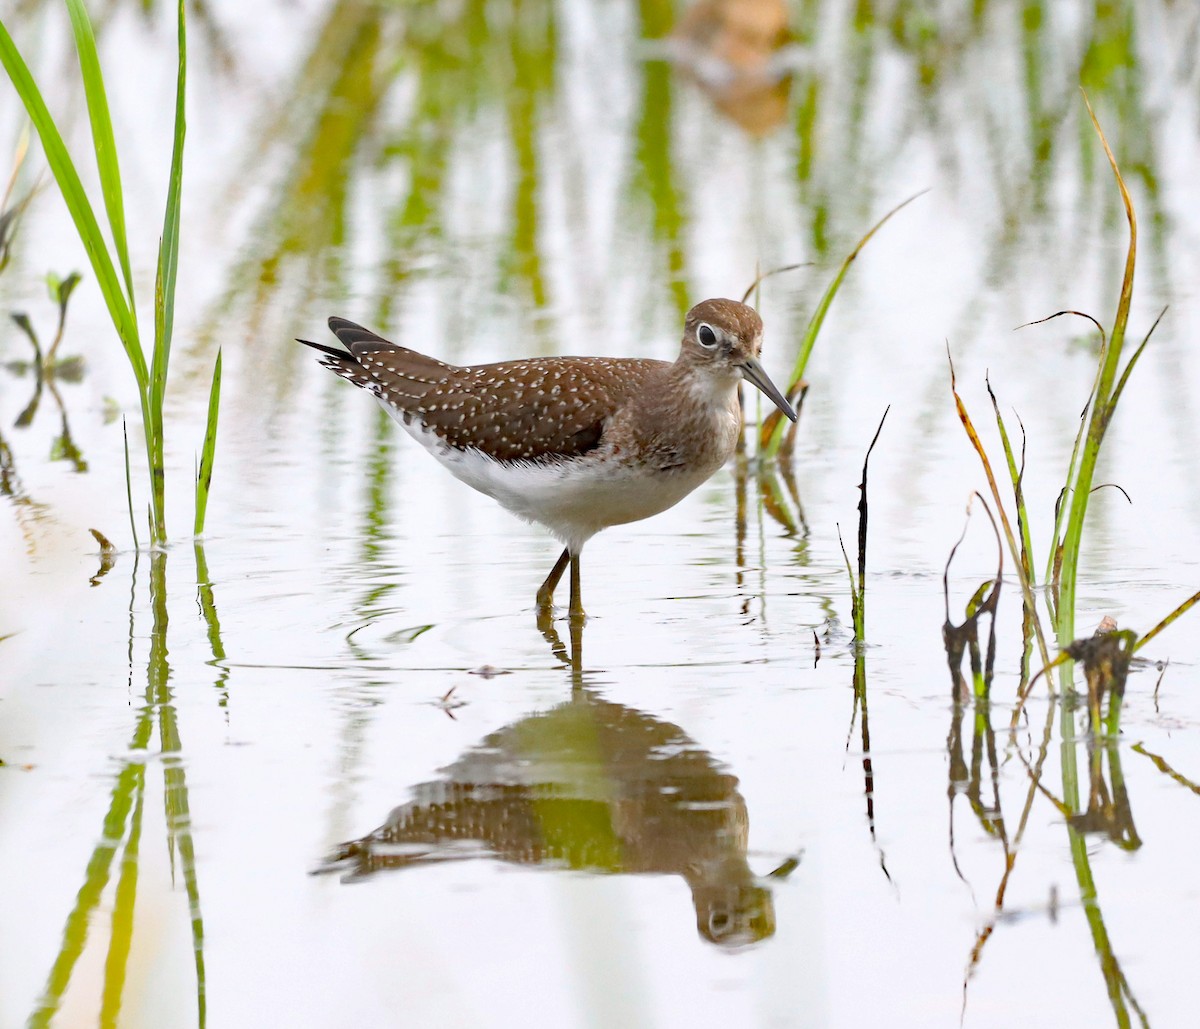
column 525, row 410
column 514, row 410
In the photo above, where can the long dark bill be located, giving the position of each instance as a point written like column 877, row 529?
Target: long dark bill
column 754, row 373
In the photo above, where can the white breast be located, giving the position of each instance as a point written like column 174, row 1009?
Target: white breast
column 573, row 499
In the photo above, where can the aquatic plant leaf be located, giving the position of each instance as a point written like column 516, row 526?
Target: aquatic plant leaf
column 208, row 454
column 103, row 143
column 80, row 208
column 770, row 434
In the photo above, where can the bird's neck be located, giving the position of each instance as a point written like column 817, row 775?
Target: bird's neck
column 704, row 391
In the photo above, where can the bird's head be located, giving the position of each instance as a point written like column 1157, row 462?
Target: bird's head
column 723, row 338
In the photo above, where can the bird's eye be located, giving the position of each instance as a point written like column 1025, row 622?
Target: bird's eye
column 706, row 336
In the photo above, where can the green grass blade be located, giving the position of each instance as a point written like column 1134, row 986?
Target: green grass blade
column 1185, row 606
column 977, row 443
column 102, row 138
column 1054, row 558
column 77, row 202
column 168, row 250
column 1132, row 362
column 152, row 400
column 770, row 436
column 204, row 476
column 1016, row 476
column 853, row 586
column 129, row 487
column 1101, row 409
column 164, row 295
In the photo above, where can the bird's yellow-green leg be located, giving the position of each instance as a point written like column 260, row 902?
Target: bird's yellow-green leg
column 577, row 614
column 545, row 594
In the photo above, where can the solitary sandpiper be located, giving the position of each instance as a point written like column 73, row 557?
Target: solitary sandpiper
column 574, row 443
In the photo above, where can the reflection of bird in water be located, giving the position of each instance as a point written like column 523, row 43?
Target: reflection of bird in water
column 737, row 51
column 590, row 786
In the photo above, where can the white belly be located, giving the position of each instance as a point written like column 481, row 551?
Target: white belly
column 573, row 499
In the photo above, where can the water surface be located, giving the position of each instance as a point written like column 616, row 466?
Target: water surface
column 698, row 820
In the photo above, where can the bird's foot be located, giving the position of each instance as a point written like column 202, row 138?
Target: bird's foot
column 545, row 615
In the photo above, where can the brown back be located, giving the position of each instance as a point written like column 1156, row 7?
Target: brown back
column 522, row 410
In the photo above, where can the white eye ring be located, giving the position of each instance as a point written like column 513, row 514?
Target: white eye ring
column 706, row 336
